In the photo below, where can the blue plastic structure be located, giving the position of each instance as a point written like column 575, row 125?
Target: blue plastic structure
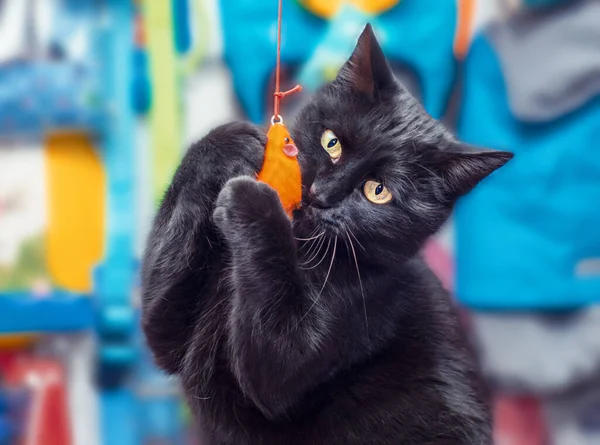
column 58, row 312
column 58, row 88
column 115, row 277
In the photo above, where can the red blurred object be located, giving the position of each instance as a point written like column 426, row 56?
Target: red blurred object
column 7, row 358
column 48, row 413
column 441, row 263
column 519, row 421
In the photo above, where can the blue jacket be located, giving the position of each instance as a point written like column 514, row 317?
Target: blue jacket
column 529, row 236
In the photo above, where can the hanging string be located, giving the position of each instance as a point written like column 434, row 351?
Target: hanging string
column 278, row 95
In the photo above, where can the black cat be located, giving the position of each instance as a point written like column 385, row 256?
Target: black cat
column 330, row 329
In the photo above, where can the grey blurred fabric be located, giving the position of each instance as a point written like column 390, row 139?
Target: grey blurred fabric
column 550, row 59
column 538, row 353
column 574, row 418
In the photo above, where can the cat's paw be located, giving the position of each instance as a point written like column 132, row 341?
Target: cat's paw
column 241, row 133
column 235, row 139
column 226, row 152
column 246, row 203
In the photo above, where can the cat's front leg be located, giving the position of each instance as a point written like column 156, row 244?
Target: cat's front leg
column 182, row 242
column 278, row 337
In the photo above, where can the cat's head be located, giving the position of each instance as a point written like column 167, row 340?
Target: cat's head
column 375, row 164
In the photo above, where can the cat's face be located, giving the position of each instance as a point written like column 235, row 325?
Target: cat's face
column 375, row 166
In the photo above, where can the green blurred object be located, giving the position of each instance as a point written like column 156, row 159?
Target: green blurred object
column 165, row 114
column 29, row 267
column 186, row 413
column 199, row 49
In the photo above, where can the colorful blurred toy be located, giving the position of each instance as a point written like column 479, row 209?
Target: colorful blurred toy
column 67, row 128
column 418, row 36
column 52, row 186
column 53, row 217
column 346, row 20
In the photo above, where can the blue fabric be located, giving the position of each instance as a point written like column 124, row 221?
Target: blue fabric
column 524, row 233
column 416, row 33
column 543, row 3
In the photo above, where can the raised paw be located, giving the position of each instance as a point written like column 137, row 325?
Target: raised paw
column 228, row 151
column 240, row 134
column 246, row 204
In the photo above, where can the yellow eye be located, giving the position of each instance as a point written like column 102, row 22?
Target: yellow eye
column 376, row 192
column 331, row 144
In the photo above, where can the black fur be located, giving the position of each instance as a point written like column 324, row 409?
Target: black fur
column 347, row 338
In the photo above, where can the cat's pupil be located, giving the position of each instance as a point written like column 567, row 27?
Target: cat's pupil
column 332, row 142
column 379, row 189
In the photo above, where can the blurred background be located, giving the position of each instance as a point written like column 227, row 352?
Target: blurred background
column 99, row 98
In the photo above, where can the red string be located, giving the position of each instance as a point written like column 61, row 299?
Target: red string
column 278, row 95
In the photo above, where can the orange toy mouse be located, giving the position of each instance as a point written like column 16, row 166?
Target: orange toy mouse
column 280, row 168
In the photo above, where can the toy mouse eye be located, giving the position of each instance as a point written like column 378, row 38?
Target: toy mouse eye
column 376, row 192
column 331, row 144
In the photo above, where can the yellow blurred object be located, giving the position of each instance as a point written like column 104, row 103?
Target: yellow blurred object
column 374, row 7
column 21, row 341
column 76, row 210
column 329, row 8
column 325, row 9
column 330, row 73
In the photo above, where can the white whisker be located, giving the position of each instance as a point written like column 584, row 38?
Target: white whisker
column 311, row 238
column 324, row 283
column 315, row 244
column 311, row 245
column 320, row 261
column 304, row 244
column 355, row 238
column 362, row 291
column 315, row 254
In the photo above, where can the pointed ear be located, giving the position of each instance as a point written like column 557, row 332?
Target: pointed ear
column 462, row 167
column 367, row 70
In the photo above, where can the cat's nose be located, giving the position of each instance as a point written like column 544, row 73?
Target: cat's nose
column 314, row 198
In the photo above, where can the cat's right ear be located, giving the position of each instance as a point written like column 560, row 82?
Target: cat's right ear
column 367, row 71
column 462, row 167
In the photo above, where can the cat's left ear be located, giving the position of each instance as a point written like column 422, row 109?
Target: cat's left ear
column 367, row 70
column 462, row 167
